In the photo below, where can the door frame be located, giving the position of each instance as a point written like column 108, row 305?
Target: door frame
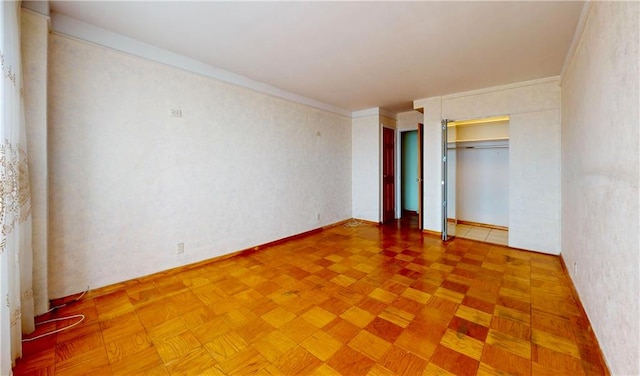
column 420, row 173
column 395, row 174
column 420, row 176
column 444, row 182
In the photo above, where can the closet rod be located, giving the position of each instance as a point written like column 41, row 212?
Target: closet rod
column 481, row 147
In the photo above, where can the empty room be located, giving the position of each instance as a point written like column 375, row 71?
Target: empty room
column 326, row 188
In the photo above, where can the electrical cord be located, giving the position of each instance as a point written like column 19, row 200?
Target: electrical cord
column 69, row 302
column 80, row 316
column 81, row 319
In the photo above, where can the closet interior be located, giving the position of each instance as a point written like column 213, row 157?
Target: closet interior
column 478, row 179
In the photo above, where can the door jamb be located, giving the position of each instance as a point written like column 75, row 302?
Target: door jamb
column 381, row 171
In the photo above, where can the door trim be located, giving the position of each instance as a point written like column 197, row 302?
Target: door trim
column 420, row 176
column 382, row 177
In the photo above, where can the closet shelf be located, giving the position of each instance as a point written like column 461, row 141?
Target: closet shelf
column 481, row 139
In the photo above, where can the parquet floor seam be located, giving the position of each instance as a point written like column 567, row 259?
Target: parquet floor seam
column 363, row 300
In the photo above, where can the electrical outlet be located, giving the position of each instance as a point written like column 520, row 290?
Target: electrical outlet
column 575, row 269
column 317, row 216
column 176, row 112
column 180, row 249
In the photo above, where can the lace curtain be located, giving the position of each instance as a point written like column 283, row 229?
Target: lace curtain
column 16, row 293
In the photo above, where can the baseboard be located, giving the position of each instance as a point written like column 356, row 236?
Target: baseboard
column 372, row 223
column 123, row 285
column 486, row 225
column 576, row 297
column 429, row 232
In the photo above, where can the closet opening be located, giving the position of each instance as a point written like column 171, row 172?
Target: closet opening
column 477, row 179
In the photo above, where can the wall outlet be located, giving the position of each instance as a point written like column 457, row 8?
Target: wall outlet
column 575, row 269
column 317, row 216
column 175, row 112
column 180, row 249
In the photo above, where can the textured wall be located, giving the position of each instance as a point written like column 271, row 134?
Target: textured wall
column 600, row 176
column 432, row 168
column 534, row 181
column 128, row 182
column 481, row 179
column 34, row 39
column 366, row 168
column 408, row 120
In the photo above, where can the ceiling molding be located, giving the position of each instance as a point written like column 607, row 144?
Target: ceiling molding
column 387, row 113
column 577, row 37
column 76, row 29
column 374, row 111
column 552, row 79
column 420, row 104
column 38, row 6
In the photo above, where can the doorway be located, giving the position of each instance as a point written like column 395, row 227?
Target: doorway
column 410, row 177
column 409, row 173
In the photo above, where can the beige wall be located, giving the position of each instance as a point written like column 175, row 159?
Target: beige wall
column 34, row 40
column 128, row 182
column 600, row 177
column 407, row 121
column 365, row 157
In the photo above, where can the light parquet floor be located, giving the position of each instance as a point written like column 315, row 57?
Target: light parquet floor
column 361, row 300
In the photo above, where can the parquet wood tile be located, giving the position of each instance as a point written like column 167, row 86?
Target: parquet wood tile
column 88, row 358
column 342, row 330
column 463, row 344
column 170, row 348
column 322, row 345
column 402, row 362
column 126, row 346
column 194, row 363
column 365, row 300
column 496, row 361
column 146, row 361
column 297, row 361
column 454, row 361
column 384, row 329
column 511, row 327
column 225, row 346
column 169, row 328
column 421, row 336
column 274, row 345
column 348, row 361
column 369, row 345
column 469, row 328
column 433, row 370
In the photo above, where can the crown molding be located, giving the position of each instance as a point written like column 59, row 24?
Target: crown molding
column 374, row 111
column 76, row 29
column 539, row 81
column 40, row 7
column 577, row 37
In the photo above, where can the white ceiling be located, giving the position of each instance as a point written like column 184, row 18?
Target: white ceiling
column 353, row 55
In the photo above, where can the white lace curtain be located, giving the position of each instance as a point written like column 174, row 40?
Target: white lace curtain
column 16, row 270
